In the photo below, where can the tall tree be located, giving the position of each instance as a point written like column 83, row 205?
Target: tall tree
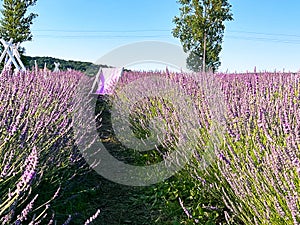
column 200, row 28
column 15, row 23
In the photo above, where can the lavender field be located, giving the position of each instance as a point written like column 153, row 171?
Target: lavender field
column 252, row 177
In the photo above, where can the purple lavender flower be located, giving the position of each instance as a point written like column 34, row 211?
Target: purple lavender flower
column 223, row 158
column 30, row 171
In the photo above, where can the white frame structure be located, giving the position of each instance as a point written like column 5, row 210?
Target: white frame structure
column 56, row 69
column 11, row 55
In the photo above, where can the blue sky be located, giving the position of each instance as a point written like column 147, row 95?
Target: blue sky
column 264, row 33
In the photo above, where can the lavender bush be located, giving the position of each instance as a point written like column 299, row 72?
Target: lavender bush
column 263, row 148
column 36, row 141
column 256, row 174
column 253, row 177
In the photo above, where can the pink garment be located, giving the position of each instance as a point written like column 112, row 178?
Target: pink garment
column 108, row 79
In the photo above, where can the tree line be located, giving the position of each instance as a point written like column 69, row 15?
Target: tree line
column 86, row 67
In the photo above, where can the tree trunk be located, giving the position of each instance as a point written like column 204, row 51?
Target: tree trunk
column 204, row 54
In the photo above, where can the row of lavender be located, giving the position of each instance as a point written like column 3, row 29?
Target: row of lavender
column 255, row 175
column 36, row 143
column 262, row 147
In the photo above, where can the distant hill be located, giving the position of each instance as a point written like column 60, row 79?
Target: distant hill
column 85, row 67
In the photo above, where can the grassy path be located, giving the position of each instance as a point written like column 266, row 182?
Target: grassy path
column 120, row 204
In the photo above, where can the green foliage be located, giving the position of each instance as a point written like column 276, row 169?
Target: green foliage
column 14, row 23
column 200, row 28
